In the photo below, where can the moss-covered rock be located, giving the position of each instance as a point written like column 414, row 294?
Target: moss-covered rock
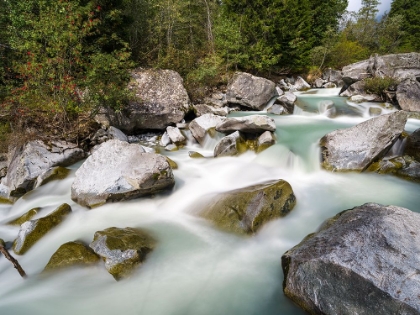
column 72, row 254
column 245, row 210
column 122, row 249
column 25, row 217
column 195, row 155
column 54, row 173
column 402, row 166
column 32, row 231
column 172, row 163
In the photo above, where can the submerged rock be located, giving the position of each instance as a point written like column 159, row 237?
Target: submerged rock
column 32, row 231
column 54, row 173
column 247, row 124
column 358, row 89
column 362, row 261
column 72, row 254
column 25, row 217
column 402, row 166
column 245, row 210
column 123, row 250
column 355, row 148
column 230, row 145
column 250, row 91
column 120, row 171
column 34, row 159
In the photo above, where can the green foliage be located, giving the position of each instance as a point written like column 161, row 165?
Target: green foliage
column 379, row 86
column 69, row 57
column 410, row 12
column 346, row 52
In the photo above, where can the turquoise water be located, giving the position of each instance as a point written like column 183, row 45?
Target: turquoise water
column 197, row 269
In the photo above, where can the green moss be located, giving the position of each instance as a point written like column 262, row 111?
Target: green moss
column 195, row 155
column 5, row 201
column 36, row 229
column 25, row 217
column 171, row 163
column 56, row 173
column 246, row 210
column 72, row 254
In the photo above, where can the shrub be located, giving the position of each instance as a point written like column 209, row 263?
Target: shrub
column 379, row 86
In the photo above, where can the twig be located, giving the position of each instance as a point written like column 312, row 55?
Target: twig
column 15, row 263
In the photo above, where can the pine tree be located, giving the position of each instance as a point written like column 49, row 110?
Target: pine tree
column 410, row 12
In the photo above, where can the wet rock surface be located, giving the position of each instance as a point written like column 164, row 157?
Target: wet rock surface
column 204, row 125
column 250, row 91
column 245, row 210
column 408, row 95
column 230, row 145
column 72, row 254
column 32, row 231
column 120, row 171
column 362, row 261
column 355, row 148
column 122, row 249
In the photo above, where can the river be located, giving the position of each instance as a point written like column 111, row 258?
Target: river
column 197, row 269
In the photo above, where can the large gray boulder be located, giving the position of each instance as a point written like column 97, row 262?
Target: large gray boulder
column 118, row 170
column 408, row 95
column 362, row 261
column 203, row 125
column 202, row 109
column 287, row 100
column 333, row 76
column 35, row 158
column 160, row 100
column 245, row 210
column 398, row 66
column 355, row 148
column 123, row 250
column 250, row 91
column 413, row 145
column 247, row 124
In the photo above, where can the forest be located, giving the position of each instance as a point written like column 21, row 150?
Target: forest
column 61, row 60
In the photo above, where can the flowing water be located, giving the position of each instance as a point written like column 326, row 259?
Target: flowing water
column 197, row 269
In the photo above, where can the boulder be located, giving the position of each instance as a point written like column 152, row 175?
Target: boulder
column 408, row 95
column 33, row 159
column 277, row 109
column 245, row 210
column 413, row 145
column 230, row 145
column 175, row 135
column 362, row 261
column 195, row 155
column 301, row 85
column 202, row 109
column 250, row 91
column 355, row 148
column 356, row 72
column 32, row 231
column 398, row 66
column 203, row 125
column 329, row 85
column 3, row 165
column 123, row 250
column 118, row 170
column 165, row 140
column 402, row 166
column 358, row 88
column 287, row 100
column 72, row 254
column 265, row 141
column 171, row 147
column 247, row 124
column 319, row 83
column 160, row 100
column 333, row 76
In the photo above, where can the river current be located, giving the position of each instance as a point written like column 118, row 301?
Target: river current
column 197, row 269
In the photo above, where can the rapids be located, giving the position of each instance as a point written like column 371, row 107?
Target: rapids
column 197, row 269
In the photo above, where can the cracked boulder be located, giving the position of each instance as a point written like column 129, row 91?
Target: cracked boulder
column 362, row 261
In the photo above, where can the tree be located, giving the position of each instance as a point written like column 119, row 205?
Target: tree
column 71, row 57
column 410, row 12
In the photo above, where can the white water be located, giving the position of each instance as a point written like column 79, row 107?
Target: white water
column 197, row 269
